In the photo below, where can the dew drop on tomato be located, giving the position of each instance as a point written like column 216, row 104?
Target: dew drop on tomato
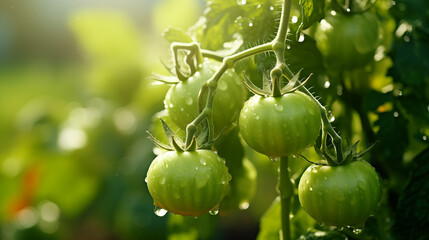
column 160, row 212
column 214, row 211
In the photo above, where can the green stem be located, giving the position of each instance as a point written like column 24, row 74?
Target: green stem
column 208, row 89
column 286, row 192
column 211, row 54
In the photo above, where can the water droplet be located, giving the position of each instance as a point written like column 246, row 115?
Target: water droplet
column 160, row 212
column 222, row 86
column 170, row 105
column 340, row 228
column 189, row 101
column 278, row 107
column 291, row 216
column 395, row 114
column 310, row 188
column 244, row 205
column 294, row 19
column 301, row 38
column 424, row 138
column 327, row 84
column 259, row 6
column 241, row 2
column 197, row 74
column 357, row 231
column 361, row 185
column 274, row 159
column 271, row 8
column 145, row 179
column 214, row 211
column 250, row 24
column 203, row 161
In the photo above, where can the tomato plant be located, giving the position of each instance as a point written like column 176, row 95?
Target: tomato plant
column 188, row 183
column 348, row 41
column 181, row 99
column 280, row 126
column 341, row 196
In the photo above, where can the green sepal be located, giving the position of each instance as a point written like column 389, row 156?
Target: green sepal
column 159, row 143
column 193, row 145
column 252, row 87
column 352, row 154
column 176, row 145
column 294, row 83
column 170, row 134
column 164, row 79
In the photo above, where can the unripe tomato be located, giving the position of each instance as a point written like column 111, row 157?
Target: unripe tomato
column 348, row 41
column 181, row 100
column 188, row 183
column 280, row 126
column 342, row 195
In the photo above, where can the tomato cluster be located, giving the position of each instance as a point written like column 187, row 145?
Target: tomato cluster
column 191, row 181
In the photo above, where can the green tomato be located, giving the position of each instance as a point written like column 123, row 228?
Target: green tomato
column 348, row 41
column 188, row 183
column 181, row 100
column 342, row 195
column 280, row 126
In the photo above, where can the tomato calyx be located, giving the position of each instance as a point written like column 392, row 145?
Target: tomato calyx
column 350, row 154
column 176, row 143
column 269, row 85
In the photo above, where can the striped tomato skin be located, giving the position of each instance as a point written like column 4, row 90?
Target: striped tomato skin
column 280, row 126
column 189, row 183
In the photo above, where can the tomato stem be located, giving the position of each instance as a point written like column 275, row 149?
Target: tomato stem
column 286, row 191
column 208, row 89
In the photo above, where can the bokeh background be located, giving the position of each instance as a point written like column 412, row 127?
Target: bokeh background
column 75, row 104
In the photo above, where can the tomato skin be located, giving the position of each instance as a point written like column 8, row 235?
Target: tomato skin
column 181, row 100
column 348, row 41
column 280, row 126
column 188, row 183
column 342, row 195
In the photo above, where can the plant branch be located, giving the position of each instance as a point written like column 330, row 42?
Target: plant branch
column 286, row 191
column 208, row 89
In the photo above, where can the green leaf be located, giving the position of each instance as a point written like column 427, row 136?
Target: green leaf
column 312, row 12
column 412, row 210
column 271, row 224
column 176, row 35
